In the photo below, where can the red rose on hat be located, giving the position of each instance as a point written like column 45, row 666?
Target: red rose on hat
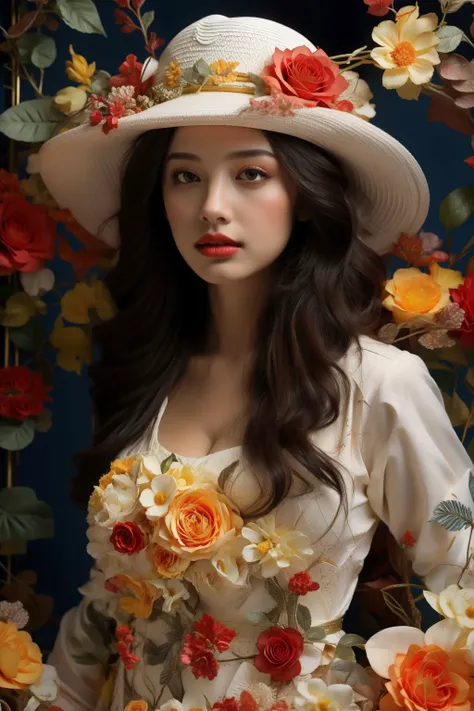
column 22, row 393
column 127, row 538
column 309, row 76
column 27, row 236
column 279, row 652
column 464, row 296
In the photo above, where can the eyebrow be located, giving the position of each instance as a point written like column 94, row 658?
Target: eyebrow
column 250, row 153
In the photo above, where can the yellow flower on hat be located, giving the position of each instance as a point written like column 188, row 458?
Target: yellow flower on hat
column 70, row 100
column 223, row 72
column 173, row 73
column 413, row 293
column 78, row 69
column 407, row 48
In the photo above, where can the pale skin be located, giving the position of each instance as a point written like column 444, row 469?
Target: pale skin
column 250, row 198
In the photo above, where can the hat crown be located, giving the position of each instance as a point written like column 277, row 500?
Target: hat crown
column 250, row 41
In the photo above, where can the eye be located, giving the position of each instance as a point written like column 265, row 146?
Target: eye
column 254, row 175
column 183, row 177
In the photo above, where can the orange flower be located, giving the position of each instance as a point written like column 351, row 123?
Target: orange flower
column 20, row 658
column 429, row 679
column 412, row 293
column 143, row 595
column 138, row 705
column 408, row 539
column 167, row 564
column 198, row 522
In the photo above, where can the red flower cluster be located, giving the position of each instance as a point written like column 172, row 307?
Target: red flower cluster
column 379, row 8
column 130, row 75
column 127, row 538
column 302, row 583
column 279, row 652
column 245, row 702
column 199, row 646
column 464, row 296
column 124, row 647
column 412, row 249
column 22, row 393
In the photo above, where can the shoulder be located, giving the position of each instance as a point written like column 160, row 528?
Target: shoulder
column 384, row 372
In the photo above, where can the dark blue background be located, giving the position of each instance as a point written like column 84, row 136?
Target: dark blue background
column 62, row 564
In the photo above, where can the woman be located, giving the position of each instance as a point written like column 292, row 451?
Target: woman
column 247, row 291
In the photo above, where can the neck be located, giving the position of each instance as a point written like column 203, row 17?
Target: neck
column 235, row 309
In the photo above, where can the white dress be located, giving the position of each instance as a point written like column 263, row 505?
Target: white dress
column 399, row 457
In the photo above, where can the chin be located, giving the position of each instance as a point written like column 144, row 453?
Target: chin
column 223, row 272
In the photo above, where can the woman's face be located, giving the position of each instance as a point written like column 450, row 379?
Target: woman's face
column 223, row 183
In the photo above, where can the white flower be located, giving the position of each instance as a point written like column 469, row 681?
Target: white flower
column 229, row 563
column 407, row 51
column 191, row 700
column 37, row 283
column 274, row 548
column 14, row 612
column 105, row 601
column 157, row 497
column 113, row 563
column 173, row 591
column 359, row 94
column 118, row 500
column 455, row 603
column 46, row 689
column 148, row 468
column 315, row 695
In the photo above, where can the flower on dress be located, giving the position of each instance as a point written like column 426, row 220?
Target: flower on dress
column 148, row 468
column 315, row 694
column 431, row 671
column 229, row 563
column 172, row 591
column 192, row 701
column 156, row 498
column 46, row 689
column 137, row 705
column 283, row 654
column 407, row 48
column 199, row 657
column 118, row 500
column 142, row 597
column 454, row 603
column 127, row 538
column 274, row 548
column 302, row 584
column 214, row 632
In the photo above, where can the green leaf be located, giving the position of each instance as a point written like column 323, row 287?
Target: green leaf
column 471, row 485
column 170, row 667
column 352, row 640
column 451, row 37
column 44, row 52
column 303, row 615
column 202, row 68
column 166, row 463
column 147, row 19
column 342, row 651
column 260, row 86
column 154, row 654
column 13, row 438
column 315, row 634
column 29, row 337
column 278, row 595
column 105, row 626
column 81, row 15
column 32, row 121
column 457, row 207
column 23, row 517
column 25, row 45
column 452, row 515
column 256, row 618
column 100, row 82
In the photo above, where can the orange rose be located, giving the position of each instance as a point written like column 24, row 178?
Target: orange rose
column 138, row 705
column 167, row 564
column 27, row 236
column 430, row 679
column 20, row 658
column 198, row 522
column 306, row 75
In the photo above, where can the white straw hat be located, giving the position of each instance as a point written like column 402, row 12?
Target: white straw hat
column 82, row 167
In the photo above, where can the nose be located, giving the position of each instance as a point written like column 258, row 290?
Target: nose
column 216, row 207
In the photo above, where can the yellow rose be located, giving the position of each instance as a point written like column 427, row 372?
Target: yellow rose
column 79, row 70
column 167, row 564
column 199, row 521
column 20, row 658
column 70, row 100
column 413, row 293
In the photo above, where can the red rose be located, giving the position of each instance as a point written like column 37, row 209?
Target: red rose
column 127, row 538
column 214, row 632
column 130, row 75
column 279, row 652
column 302, row 583
column 27, row 236
column 464, row 296
column 22, row 393
column 306, row 75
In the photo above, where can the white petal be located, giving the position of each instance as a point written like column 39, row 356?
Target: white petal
column 395, row 78
column 383, row 646
column 164, row 483
column 155, row 512
column 433, row 600
column 383, row 57
column 194, row 700
column 341, row 694
column 37, row 283
column 251, row 554
column 445, row 599
column 151, row 463
column 421, row 72
column 147, row 498
column 386, row 34
column 310, row 659
column 311, row 689
column 150, row 67
column 445, row 634
column 252, row 535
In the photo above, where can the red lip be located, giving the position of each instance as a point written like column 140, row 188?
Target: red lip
column 216, row 239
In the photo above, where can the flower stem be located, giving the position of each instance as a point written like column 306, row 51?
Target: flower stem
column 468, row 424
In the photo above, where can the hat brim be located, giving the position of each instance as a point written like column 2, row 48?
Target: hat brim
column 82, row 167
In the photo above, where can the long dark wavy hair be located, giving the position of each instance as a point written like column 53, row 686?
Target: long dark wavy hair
column 327, row 292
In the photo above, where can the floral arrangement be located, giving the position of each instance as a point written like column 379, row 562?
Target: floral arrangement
column 150, row 557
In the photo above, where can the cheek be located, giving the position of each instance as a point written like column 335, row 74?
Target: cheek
column 272, row 219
